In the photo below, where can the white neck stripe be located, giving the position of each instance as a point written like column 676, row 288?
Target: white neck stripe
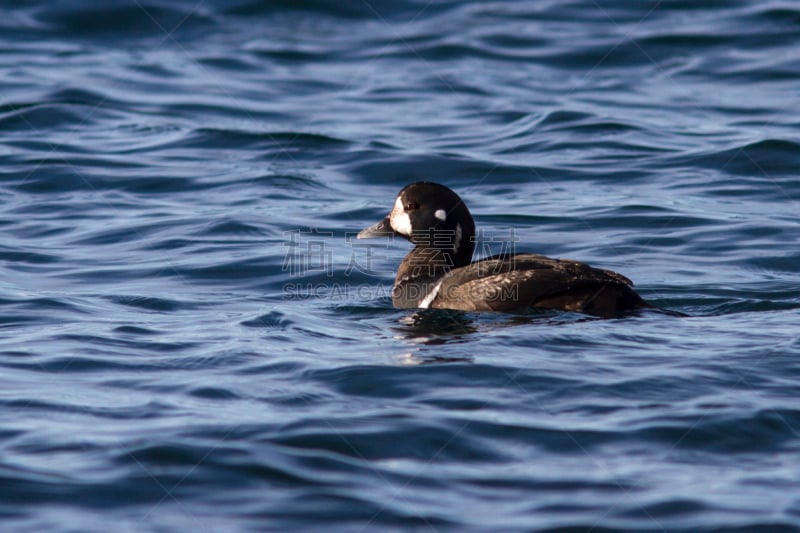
column 426, row 302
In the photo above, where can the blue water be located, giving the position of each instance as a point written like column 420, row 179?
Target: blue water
column 190, row 338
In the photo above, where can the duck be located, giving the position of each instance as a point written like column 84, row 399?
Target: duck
column 438, row 273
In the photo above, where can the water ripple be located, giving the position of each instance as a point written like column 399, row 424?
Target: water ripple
column 193, row 337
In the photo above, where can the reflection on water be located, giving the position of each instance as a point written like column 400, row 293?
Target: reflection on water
column 193, row 338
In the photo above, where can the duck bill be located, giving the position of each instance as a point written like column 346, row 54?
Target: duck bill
column 381, row 229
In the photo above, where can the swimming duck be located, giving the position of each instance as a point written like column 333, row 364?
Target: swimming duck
column 439, row 273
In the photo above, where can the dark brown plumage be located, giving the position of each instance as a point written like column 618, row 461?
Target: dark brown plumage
column 438, row 272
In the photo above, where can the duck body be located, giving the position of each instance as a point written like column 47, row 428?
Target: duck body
column 439, row 273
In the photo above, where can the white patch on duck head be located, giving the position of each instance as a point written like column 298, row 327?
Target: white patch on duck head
column 399, row 219
column 441, row 214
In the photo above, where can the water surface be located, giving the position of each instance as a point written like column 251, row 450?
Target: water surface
column 191, row 338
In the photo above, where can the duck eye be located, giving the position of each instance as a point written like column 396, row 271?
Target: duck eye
column 410, row 206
